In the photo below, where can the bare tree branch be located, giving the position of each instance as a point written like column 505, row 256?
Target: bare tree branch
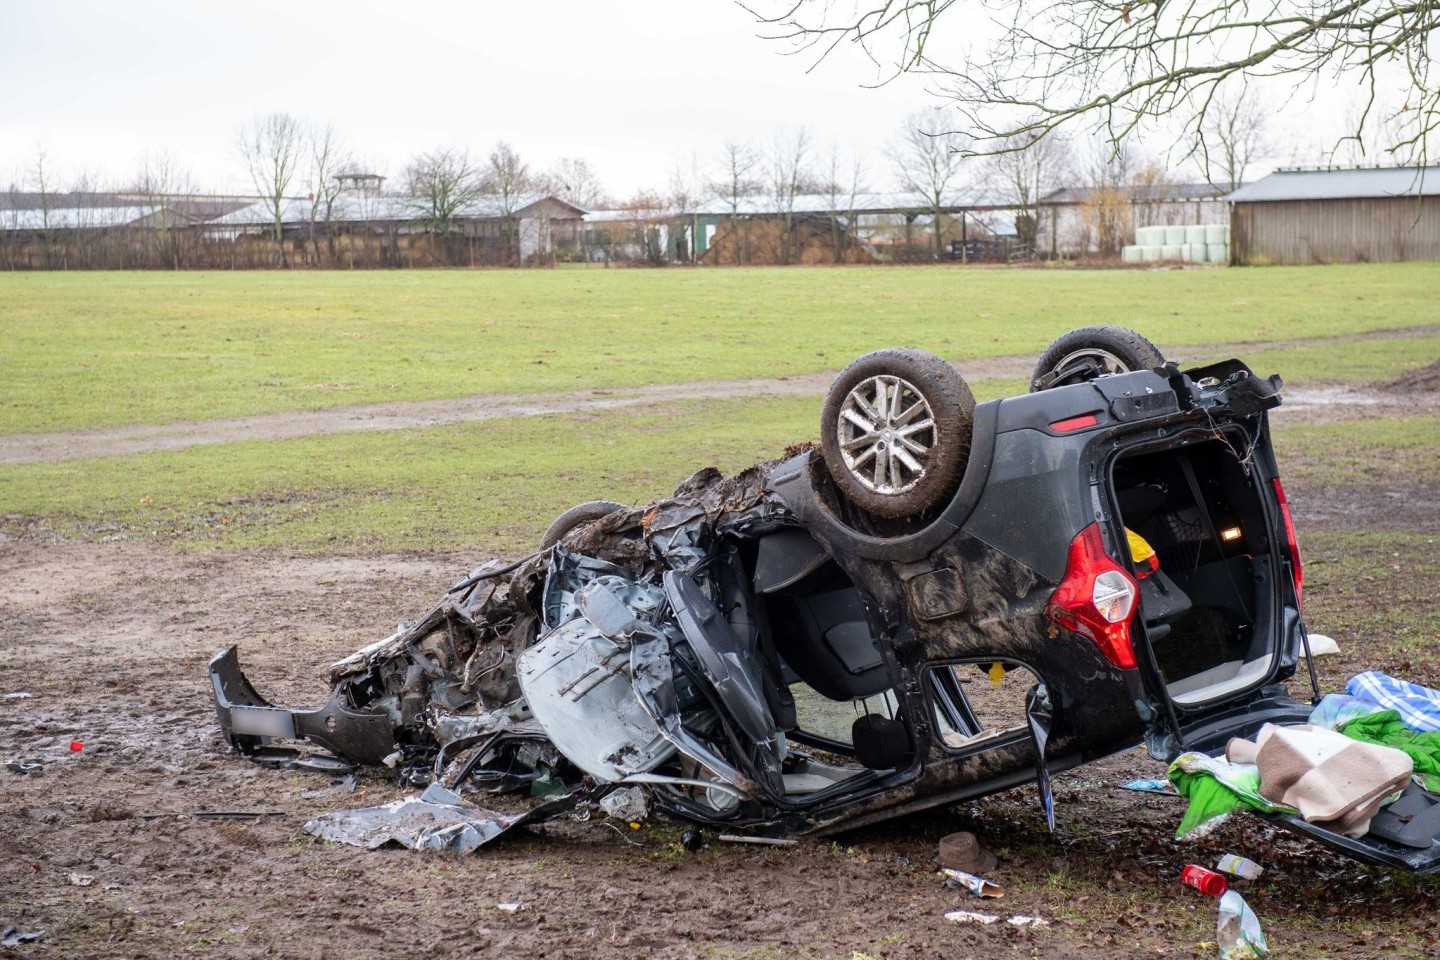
column 1121, row 63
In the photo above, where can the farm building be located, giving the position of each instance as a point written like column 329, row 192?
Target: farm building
column 1337, row 216
column 105, row 230
column 363, row 227
column 1076, row 221
column 855, row 228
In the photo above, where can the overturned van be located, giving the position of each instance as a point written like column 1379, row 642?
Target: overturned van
column 942, row 601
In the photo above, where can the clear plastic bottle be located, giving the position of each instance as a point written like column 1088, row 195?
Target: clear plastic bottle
column 1238, row 931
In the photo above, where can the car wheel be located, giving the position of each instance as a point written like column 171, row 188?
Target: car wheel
column 1091, row 352
column 577, row 517
column 895, row 432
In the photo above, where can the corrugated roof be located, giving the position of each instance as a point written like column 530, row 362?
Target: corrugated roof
column 195, row 206
column 1152, row 193
column 823, row 203
column 1341, row 184
column 71, row 218
column 359, row 208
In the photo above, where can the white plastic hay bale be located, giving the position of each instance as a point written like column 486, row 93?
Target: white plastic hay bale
column 1217, row 252
column 1195, row 235
column 1150, row 236
column 1150, row 253
column 1174, row 236
column 1193, row 253
column 1130, row 254
column 1171, row 251
column 1217, row 233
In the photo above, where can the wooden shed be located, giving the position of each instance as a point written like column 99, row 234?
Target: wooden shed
column 1337, row 216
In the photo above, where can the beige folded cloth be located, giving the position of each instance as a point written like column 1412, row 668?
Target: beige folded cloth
column 1335, row 782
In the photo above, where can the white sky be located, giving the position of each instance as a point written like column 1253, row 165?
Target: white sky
column 634, row 87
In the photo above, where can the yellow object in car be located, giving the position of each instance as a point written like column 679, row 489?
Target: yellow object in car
column 1142, row 554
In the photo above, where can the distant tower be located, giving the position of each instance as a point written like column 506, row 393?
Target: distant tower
column 362, row 184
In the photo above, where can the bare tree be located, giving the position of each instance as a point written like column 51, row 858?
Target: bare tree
column 273, row 149
column 573, row 180
column 789, row 177
column 507, row 178
column 1126, row 63
column 1030, row 167
column 734, row 181
column 329, row 156
column 40, row 180
column 647, row 229
column 687, row 191
column 845, row 182
column 441, row 184
column 926, row 156
column 1105, row 214
column 163, row 182
column 1231, row 135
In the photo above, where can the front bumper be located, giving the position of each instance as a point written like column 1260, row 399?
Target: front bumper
column 250, row 722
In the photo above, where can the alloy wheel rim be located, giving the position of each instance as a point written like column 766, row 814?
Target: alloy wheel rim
column 887, row 435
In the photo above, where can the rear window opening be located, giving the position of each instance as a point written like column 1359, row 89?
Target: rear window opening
column 1206, row 597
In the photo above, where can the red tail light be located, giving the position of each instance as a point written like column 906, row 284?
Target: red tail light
column 1291, row 542
column 1096, row 598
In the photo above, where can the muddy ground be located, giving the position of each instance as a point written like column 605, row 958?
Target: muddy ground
column 110, row 642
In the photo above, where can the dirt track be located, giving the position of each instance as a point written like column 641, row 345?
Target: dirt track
column 139, row 438
column 110, row 642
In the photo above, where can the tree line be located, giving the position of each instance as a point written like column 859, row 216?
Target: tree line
column 297, row 165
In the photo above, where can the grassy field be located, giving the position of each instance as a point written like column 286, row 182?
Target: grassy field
column 106, row 349
column 498, row 483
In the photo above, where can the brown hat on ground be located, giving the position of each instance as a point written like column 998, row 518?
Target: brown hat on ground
column 961, row 851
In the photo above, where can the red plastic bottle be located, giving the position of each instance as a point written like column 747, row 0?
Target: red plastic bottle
column 1207, row 882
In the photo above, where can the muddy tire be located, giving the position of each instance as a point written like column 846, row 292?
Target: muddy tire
column 1091, row 352
column 895, row 432
column 577, row 517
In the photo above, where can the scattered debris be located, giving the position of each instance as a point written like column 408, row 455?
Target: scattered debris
column 976, row 885
column 24, row 767
column 1238, row 866
column 692, row 840
column 76, row 746
column 627, row 803
column 1237, row 931
column 15, row 937
column 961, row 851
column 438, row 819
column 215, row 815
column 343, row 785
column 17, row 695
column 1207, row 882
column 1151, row 786
column 759, row 841
column 1320, row 646
column 1022, row 922
column 81, row 879
column 509, row 907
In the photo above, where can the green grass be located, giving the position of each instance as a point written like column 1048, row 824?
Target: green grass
column 1359, row 361
column 1402, row 452
column 103, row 349
column 497, row 483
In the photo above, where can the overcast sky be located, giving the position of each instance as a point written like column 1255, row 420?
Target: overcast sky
column 634, row 87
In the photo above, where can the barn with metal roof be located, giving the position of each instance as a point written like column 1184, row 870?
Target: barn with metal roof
column 1337, row 216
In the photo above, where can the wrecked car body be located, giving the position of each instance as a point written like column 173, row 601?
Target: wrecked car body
column 943, row 601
